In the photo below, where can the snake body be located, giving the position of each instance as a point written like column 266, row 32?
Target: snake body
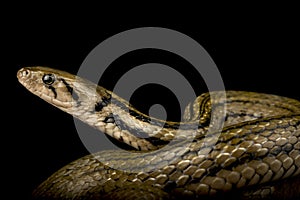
column 243, row 144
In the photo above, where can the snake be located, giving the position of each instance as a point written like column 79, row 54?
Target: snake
column 229, row 144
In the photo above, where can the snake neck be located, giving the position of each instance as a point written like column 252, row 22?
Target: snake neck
column 117, row 118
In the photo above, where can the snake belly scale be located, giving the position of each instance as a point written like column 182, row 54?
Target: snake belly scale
column 255, row 155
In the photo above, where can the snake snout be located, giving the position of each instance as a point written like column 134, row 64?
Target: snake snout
column 23, row 73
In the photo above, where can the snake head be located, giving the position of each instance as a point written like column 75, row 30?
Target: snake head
column 59, row 88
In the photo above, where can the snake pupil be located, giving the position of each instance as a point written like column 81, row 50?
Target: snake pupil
column 48, row 79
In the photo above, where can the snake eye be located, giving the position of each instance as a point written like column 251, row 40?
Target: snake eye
column 48, row 79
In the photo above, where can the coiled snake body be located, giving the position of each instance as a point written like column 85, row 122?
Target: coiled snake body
column 256, row 153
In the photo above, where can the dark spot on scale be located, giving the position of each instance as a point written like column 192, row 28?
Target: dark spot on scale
column 109, row 119
column 139, row 116
column 98, row 106
column 101, row 104
column 173, row 126
column 170, row 185
column 70, row 89
column 106, row 100
column 213, row 170
column 156, row 141
column 53, row 90
column 275, row 150
column 245, row 158
column 287, row 147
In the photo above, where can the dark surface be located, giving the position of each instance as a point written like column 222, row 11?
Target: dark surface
column 259, row 55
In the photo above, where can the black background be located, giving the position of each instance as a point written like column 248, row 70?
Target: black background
column 260, row 54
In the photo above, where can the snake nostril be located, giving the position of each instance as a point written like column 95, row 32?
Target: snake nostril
column 26, row 72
